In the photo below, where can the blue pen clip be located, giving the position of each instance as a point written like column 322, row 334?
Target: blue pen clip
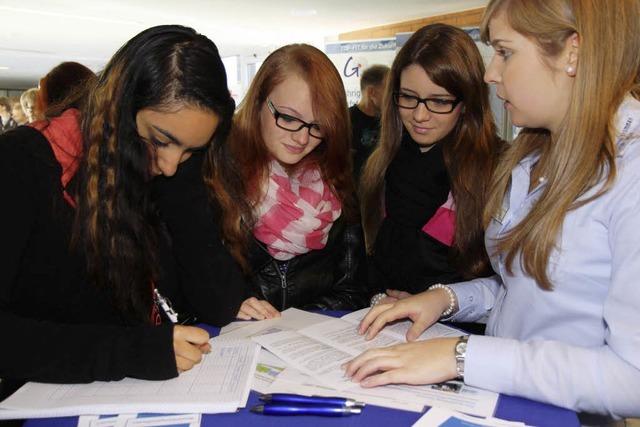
column 310, row 400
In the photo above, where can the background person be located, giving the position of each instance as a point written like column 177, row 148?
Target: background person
column 365, row 115
column 17, row 113
column 28, row 100
column 6, row 121
column 59, row 83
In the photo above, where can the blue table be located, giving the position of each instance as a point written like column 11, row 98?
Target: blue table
column 509, row 407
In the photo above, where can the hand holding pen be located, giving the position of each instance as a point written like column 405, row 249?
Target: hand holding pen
column 189, row 342
column 295, row 404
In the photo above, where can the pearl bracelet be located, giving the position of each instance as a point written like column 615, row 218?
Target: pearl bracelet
column 375, row 300
column 452, row 298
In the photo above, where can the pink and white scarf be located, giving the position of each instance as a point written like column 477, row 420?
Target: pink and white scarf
column 296, row 212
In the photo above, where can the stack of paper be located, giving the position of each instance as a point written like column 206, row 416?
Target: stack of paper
column 306, row 352
column 140, row 420
column 220, row 383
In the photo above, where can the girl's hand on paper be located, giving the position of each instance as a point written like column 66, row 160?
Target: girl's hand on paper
column 424, row 309
column 394, row 295
column 424, row 362
column 254, row 308
column 189, row 344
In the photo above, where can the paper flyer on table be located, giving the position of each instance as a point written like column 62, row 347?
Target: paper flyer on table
column 291, row 319
column 219, row 383
column 320, row 350
column 308, row 355
column 399, row 329
column 140, row 420
column 293, row 381
column 440, row 417
column 268, row 368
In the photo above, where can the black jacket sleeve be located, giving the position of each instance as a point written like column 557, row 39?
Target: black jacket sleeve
column 44, row 351
column 35, row 346
column 211, row 284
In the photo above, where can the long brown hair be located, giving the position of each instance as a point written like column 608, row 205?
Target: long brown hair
column 451, row 60
column 162, row 68
column 583, row 152
column 234, row 172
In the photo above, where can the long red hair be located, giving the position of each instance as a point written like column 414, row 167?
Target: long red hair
column 234, row 172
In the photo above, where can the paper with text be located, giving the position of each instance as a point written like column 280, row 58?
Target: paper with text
column 291, row 319
column 219, row 383
column 293, row 381
column 308, row 355
column 400, row 328
column 320, row 350
column 440, row 417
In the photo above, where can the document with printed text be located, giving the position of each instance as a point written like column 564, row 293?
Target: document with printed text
column 319, row 351
column 219, row 383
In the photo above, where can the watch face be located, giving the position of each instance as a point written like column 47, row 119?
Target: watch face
column 461, row 348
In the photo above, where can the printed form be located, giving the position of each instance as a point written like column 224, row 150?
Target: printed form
column 319, row 351
column 220, row 383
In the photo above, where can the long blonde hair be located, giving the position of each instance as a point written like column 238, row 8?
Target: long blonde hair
column 451, row 60
column 582, row 154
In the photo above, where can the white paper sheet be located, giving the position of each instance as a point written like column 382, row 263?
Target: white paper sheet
column 437, row 417
column 140, row 420
column 320, row 350
column 400, row 328
column 308, row 355
column 268, row 368
column 343, row 335
column 293, row 381
column 291, row 319
column 220, row 383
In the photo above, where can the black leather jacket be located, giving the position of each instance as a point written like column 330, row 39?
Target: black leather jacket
column 333, row 278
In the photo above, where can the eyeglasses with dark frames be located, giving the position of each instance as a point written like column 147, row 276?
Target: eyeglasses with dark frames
column 293, row 124
column 435, row 105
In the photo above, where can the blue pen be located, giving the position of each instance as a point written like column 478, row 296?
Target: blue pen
column 292, row 409
column 310, row 400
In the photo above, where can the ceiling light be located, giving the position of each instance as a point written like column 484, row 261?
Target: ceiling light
column 4, row 68
column 303, row 13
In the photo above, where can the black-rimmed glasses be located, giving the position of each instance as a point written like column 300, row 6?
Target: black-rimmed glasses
column 435, row 105
column 293, row 124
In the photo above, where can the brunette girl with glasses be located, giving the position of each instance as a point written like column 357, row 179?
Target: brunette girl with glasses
column 424, row 187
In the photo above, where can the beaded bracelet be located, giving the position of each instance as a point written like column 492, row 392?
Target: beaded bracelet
column 452, row 298
column 375, row 300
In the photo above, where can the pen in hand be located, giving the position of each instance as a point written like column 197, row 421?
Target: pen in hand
column 292, row 409
column 165, row 306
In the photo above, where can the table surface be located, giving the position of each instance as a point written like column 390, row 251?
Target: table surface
column 509, row 408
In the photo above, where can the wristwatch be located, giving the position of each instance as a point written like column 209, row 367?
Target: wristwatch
column 460, row 353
